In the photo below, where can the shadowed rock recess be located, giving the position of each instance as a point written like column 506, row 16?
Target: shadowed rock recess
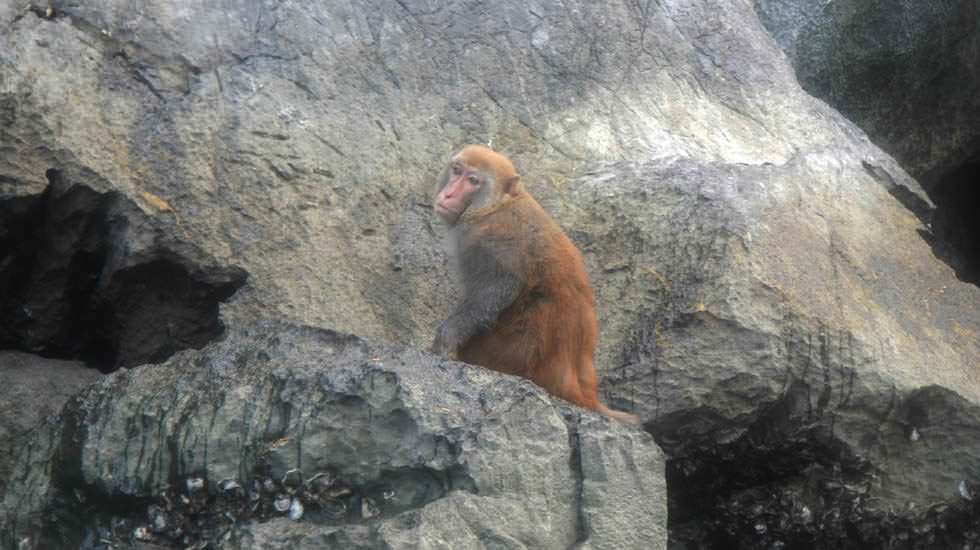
column 956, row 222
column 85, row 275
column 89, row 276
column 787, row 309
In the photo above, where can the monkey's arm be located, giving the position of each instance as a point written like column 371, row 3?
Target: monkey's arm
column 489, row 289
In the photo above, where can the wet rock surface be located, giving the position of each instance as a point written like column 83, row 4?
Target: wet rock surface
column 352, row 444
column 790, row 483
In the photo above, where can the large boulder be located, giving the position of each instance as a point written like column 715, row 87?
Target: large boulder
column 794, row 346
column 372, row 446
column 905, row 72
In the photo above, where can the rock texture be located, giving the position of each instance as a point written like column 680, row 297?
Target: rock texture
column 345, row 431
column 301, row 142
column 906, row 74
column 33, row 389
column 769, row 298
column 763, row 330
column 903, row 71
column 89, row 275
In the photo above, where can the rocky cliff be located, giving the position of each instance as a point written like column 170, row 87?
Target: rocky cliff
column 226, row 211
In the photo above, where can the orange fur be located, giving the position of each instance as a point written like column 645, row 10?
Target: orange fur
column 549, row 333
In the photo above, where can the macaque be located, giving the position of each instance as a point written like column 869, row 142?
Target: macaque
column 527, row 306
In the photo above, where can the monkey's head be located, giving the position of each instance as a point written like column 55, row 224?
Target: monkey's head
column 476, row 179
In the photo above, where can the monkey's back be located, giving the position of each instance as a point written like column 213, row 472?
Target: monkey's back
column 549, row 333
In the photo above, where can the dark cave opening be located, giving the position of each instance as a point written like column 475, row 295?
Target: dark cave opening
column 71, row 288
column 956, row 221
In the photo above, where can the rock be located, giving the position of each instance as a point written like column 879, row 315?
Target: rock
column 906, row 75
column 444, row 452
column 769, row 295
column 89, row 275
column 301, row 143
column 778, row 327
column 902, row 72
column 33, row 388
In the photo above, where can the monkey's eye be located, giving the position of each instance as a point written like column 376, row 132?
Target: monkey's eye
column 457, row 169
column 474, row 180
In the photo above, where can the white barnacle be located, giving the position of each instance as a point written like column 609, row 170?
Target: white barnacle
column 295, row 510
column 368, row 509
column 194, row 484
column 964, row 490
column 142, row 533
column 228, row 485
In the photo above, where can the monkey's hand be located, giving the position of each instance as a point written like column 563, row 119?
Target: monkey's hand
column 446, row 341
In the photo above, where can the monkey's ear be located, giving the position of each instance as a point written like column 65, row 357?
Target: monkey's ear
column 510, row 185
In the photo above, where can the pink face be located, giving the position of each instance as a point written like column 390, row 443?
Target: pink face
column 460, row 186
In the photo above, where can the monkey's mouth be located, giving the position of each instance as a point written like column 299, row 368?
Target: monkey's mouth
column 446, row 213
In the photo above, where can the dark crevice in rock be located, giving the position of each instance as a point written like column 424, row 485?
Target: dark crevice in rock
column 909, row 199
column 85, row 518
column 956, row 223
column 72, row 287
column 575, row 466
column 788, row 483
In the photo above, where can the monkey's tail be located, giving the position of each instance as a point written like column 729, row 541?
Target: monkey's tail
column 623, row 417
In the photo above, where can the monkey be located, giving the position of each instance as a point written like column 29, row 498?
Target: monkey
column 527, row 307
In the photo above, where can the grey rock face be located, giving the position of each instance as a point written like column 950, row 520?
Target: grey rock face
column 906, row 73
column 89, row 275
column 903, row 71
column 762, row 331
column 301, row 143
column 434, row 454
column 33, row 389
column 768, row 302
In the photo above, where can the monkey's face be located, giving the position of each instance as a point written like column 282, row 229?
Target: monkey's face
column 461, row 187
column 476, row 178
